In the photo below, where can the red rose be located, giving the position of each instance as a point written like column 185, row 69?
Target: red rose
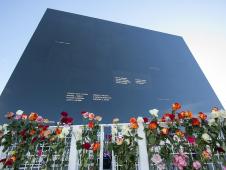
column 83, row 112
column 168, row 116
column 9, row 162
column 195, row 122
column 67, row 120
column 34, row 140
column 145, row 120
column 220, row 150
column 23, row 133
column 91, row 124
column 86, row 146
column 64, row 114
column 202, row 116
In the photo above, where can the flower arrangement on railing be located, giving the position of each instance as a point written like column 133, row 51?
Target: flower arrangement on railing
column 124, row 144
column 88, row 141
column 25, row 137
column 185, row 141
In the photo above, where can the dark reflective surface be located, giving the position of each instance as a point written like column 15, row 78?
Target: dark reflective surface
column 75, row 63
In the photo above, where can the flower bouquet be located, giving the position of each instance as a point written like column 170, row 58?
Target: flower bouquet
column 124, row 144
column 185, row 141
column 28, row 140
column 88, row 142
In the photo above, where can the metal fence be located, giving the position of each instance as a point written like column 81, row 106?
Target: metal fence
column 71, row 159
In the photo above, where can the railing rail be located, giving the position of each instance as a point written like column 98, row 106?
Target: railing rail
column 143, row 159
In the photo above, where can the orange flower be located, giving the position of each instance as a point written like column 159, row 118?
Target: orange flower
column 33, row 116
column 176, row 106
column 165, row 131
column 32, row 132
column 180, row 133
column 58, row 131
column 188, row 114
column 195, row 122
column 133, row 120
column 202, row 116
column 96, row 146
column 134, row 125
column 91, row 124
column 153, row 125
column 206, row 154
column 13, row 158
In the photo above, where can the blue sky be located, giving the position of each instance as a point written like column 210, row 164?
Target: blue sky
column 202, row 24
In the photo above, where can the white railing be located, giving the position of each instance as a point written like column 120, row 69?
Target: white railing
column 71, row 157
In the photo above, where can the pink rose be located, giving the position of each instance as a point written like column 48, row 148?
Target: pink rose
column 196, row 165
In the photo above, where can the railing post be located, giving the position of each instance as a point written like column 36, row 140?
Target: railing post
column 73, row 156
column 101, row 147
column 113, row 161
column 142, row 145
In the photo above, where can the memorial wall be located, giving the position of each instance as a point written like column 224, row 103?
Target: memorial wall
column 76, row 63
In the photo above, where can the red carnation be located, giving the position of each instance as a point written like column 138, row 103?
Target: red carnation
column 86, row 146
column 64, row 114
column 145, row 120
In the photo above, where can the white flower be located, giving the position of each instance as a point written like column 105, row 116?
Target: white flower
column 206, row 137
column 162, row 143
column 5, row 126
column 127, row 141
column 215, row 114
column 140, row 120
column 176, row 138
column 154, row 112
column 223, row 114
column 208, row 148
column 211, row 122
column 125, row 130
column 163, row 124
column 115, row 120
column 19, row 112
column 3, row 140
column 156, row 158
